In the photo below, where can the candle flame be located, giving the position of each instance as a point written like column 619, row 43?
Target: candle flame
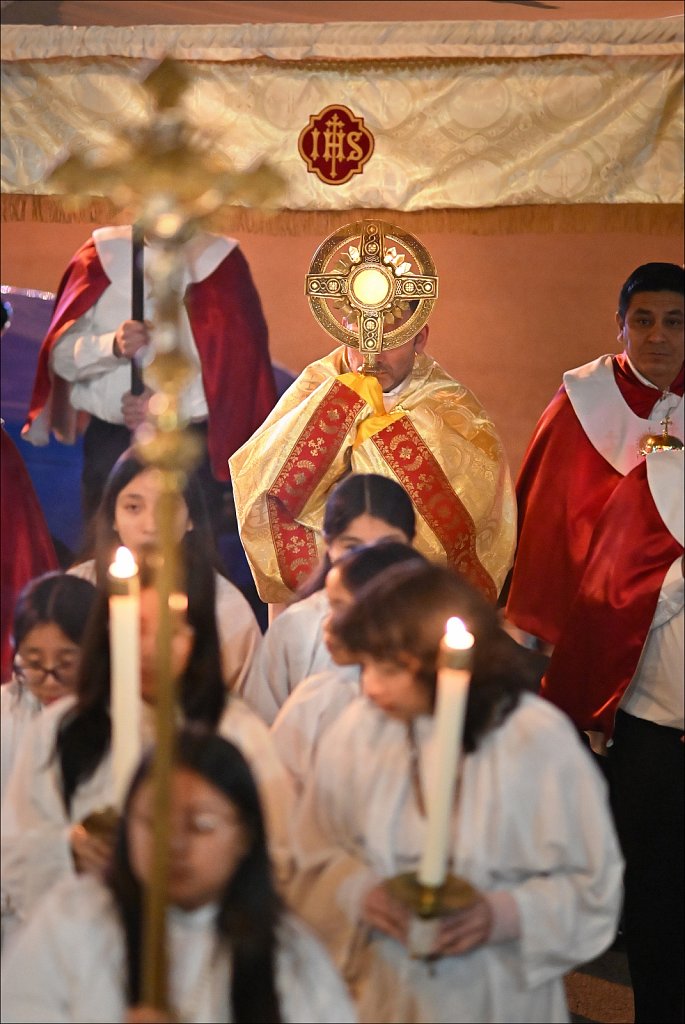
column 457, row 635
column 178, row 602
column 124, row 565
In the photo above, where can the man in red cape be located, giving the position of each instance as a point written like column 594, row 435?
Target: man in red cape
column 586, row 441
column 618, row 670
column 83, row 373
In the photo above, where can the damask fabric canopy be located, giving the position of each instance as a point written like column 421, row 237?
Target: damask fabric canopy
column 463, row 115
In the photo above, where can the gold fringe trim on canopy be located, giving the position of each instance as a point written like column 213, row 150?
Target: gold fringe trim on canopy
column 652, row 218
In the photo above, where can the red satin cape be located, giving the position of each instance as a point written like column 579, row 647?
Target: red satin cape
column 230, row 333
column 563, row 485
column 596, row 658
column 26, row 548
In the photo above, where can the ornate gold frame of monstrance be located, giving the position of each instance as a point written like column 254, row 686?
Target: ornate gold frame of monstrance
column 372, row 274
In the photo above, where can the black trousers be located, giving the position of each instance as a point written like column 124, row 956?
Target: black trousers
column 104, row 442
column 646, row 779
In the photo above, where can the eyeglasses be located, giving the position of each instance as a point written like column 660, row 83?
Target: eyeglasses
column 35, row 674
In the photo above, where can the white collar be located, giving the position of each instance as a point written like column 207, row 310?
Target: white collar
column 639, row 376
column 399, row 388
column 609, row 423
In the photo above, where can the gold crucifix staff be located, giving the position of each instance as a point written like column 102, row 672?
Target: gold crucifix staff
column 172, row 178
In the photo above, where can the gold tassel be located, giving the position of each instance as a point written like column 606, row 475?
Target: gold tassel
column 638, row 218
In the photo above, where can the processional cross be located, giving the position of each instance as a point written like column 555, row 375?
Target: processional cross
column 172, row 178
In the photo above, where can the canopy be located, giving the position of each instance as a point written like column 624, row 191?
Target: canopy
column 464, row 115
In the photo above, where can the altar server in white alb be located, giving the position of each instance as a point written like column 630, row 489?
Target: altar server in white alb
column 530, row 828
column 364, row 508
column 235, row 954
column 49, row 620
column 66, row 767
column 317, row 701
column 128, row 515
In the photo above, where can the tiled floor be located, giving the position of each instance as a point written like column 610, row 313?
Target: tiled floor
column 600, row 991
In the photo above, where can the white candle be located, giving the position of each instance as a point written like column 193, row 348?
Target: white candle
column 124, row 646
column 454, row 676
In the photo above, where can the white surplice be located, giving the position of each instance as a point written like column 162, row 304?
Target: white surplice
column 68, row 966
column 35, row 827
column 292, row 649
column 532, row 819
column 18, row 708
column 239, row 634
column 306, row 714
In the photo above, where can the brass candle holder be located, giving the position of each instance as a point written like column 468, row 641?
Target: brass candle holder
column 428, row 904
column 102, row 824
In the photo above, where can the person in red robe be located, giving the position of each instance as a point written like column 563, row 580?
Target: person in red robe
column 83, row 377
column 587, row 439
column 26, row 548
column 617, row 670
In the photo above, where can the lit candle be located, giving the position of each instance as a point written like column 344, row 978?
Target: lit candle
column 124, row 646
column 454, row 676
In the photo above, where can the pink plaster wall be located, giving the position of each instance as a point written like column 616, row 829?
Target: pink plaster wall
column 514, row 311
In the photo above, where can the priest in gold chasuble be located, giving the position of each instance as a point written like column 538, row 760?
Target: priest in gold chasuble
column 377, row 404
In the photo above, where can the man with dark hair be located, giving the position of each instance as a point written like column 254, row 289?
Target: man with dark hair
column 589, row 437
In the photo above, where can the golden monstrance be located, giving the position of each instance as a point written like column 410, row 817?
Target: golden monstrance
column 371, row 286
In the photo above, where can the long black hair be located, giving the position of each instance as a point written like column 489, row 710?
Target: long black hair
column 403, row 613
column 84, row 734
column 198, row 543
column 356, row 495
column 249, row 908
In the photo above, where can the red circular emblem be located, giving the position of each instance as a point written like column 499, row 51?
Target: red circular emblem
column 335, row 144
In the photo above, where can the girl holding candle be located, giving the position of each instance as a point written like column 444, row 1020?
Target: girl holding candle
column 127, row 516
column 64, row 771
column 529, row 827
column 235, row 953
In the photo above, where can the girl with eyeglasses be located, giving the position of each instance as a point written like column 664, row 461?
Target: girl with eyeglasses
column 63, row 772
column 235, row 953
column 49, row 622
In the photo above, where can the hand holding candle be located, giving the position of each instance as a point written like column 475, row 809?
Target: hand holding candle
column 454, row 677
column 124, row 643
